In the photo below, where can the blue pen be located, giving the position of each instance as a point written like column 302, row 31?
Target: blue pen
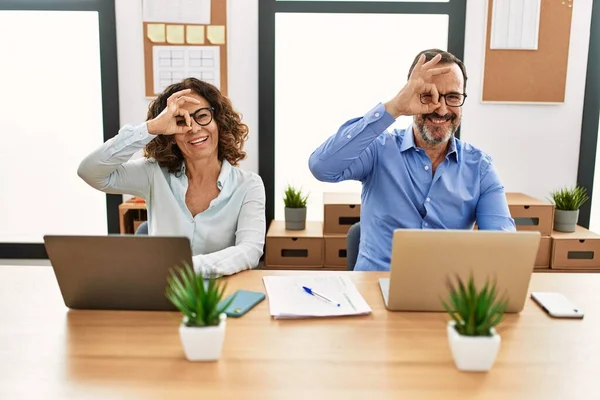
column 313, row 293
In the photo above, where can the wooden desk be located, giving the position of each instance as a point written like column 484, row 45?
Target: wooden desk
column 48, row 352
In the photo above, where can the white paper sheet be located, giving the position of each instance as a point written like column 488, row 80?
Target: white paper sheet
column 515, row 24
column 287, row 298
column 174, row 63
column 177, row 11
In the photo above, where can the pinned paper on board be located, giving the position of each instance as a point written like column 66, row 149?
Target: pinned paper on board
column 184, row 38
column 156, row 33
column 175, row 34
column 215, row 34
column 195, row 34
column 515, row 24
column 172, row 64
column 177, row 11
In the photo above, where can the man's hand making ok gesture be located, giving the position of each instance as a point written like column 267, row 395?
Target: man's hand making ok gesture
column 407, row 101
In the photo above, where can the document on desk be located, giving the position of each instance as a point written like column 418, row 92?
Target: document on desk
column 332, row 295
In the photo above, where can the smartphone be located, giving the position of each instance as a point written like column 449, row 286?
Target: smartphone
column 557, row 305
column 243, row 302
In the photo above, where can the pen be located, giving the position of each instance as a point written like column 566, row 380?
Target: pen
column 313, row 293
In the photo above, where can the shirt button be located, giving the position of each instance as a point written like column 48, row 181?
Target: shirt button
column 427, row 168
column 349, row 136
column 377, row 114
column 426, row 224
column 428, row 199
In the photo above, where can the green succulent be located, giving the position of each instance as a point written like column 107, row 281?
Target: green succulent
column 569, row 198
column 198, row 299
column 475, row 312
column 294, row 198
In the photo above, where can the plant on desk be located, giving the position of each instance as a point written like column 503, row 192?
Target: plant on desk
column 473, row 340
column 567, row 203
column 202, row 330
column 295, row 209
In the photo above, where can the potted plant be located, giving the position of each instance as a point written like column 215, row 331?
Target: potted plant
column 295, row 209
column 567, row 203
column 202, row 330
column 472, row 336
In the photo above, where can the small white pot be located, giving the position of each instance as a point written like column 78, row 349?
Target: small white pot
column 473, row 353
column 203, row 344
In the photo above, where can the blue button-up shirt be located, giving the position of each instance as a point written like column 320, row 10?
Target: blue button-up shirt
column 399, row 190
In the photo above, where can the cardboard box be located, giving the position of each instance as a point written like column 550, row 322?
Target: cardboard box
column 289, row 249
column 575, row 250
column 341, row 211
column 335, row 251
column 544, row 252
column 136, row 224
column 531, row 214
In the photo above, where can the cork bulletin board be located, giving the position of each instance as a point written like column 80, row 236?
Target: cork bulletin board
column 184, row 38
column 531, row 76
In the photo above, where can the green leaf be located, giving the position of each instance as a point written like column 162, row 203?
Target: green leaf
column 198, row 304
column 294, row 198
column 475, row 310
column 569, row 198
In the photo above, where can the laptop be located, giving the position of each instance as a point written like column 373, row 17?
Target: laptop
column 423, row 260
column 116, row 272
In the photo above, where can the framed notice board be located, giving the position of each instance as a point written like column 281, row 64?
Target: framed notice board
column 184, row 38
column 531, row 76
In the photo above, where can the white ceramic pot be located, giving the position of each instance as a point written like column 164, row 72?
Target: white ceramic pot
column 473, row 353
column 203, row 344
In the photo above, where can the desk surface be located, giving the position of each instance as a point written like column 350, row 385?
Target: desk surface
column 48, row 352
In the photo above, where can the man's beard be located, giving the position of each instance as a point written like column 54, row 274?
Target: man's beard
column 436, row 134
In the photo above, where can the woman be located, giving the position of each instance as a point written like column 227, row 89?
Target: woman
column 192, row 141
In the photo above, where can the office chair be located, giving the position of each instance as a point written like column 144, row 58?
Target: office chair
column 352, row 243
column 142, row 229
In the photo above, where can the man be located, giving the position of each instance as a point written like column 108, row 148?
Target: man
column 421, row 177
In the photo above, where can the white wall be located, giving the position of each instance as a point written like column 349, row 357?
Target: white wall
column 534, row 147
column 242, row 66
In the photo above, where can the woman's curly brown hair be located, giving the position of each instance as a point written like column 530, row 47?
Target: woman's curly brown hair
column 232, row 132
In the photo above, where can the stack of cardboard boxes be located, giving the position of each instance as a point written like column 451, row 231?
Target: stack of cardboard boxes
column 323, row 245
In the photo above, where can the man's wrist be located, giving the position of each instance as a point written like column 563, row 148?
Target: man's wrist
column 392, row 109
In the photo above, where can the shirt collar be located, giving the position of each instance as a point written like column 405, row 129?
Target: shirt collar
column 408, row 141
column 223, row 174
column 452, row 150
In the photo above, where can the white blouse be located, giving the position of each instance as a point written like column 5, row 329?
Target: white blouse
column 226, row 238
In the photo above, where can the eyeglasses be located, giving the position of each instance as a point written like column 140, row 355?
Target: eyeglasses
column 203, row 116
column 452, row 99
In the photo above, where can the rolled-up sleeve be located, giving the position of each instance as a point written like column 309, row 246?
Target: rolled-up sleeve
column 350, row 153
column 492, row 211
column 109, row 169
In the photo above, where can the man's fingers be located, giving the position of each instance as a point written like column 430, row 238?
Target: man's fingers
column 418, row 66
column 437, row 71
column 429, row 64
column 435, row 95
column 432, row 107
